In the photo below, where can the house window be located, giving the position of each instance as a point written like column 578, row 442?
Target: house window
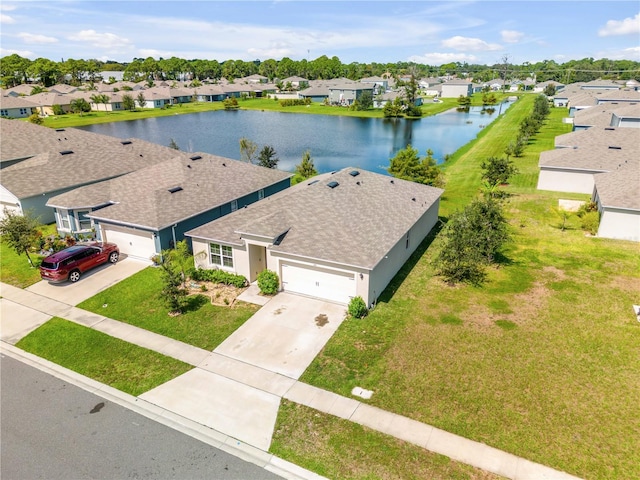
column 84, row 223
column 261, row 194
column 234, row 205
column 4, row 113
column 221, row 255
column 63, row 220
column 23, row 111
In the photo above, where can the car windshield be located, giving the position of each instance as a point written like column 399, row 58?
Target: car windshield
column 51, row 265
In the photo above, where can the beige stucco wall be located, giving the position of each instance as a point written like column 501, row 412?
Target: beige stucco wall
column 558, row 180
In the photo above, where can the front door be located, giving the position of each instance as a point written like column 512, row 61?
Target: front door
column 257, row 260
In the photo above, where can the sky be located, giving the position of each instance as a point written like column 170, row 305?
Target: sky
column 429, row 31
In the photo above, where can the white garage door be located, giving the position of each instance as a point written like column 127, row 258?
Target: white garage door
column 318, row 282
column 135, row 243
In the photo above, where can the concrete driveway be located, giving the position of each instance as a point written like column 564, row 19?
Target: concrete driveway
column 285, row 335
column 92, row 282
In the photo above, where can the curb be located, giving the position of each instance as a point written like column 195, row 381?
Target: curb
column 207, row 435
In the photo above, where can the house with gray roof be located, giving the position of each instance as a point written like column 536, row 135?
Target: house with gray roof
column 617, row 195
column 455, row 88
column 608, row 115
column 43, row 162
column 16, row 107
column 334, row 236
column 149, row 210
column 346, row 92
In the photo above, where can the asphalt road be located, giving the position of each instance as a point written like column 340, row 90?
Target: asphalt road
column 53, row 430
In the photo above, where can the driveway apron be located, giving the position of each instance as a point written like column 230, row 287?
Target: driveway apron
column 237, row 389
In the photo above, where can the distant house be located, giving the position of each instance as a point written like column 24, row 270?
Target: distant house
column 345, row 93
column 380, row 84
column 617, row 195
column 540, row 87
column 210, row 93
column 148, row 210
column 47, row 100
column 296, row 82
column 17, row 107
column 455, row 88
column 608, row 115
column 334, row 236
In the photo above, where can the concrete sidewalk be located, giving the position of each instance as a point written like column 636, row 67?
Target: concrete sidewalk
column 215, row 372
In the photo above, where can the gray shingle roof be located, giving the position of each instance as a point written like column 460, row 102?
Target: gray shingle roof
column 355, row 223
column 95, row 157
column 600, row 136
column 596, row 159
column 601, row 115
column 142, row 198
column 621, row 188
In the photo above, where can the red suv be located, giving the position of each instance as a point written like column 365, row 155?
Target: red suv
column 71, row 263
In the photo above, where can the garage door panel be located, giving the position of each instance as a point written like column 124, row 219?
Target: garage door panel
column 318, row 282
column 135, row 243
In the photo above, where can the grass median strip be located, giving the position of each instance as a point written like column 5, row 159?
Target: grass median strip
column 337, row 448
column 114, row 362
column 137, row 301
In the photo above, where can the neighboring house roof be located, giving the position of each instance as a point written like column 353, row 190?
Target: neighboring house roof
column 596, row 159
column 356, row 223
column 620, row 189
column 93, row 158
column 601, row 114
column 599, row 136
column 350, row 85
column 48, row 99
column 608, row 84
column 62, row 88
column 144, row 198
column 456, row 83
column 16, row 102
column 22, row 89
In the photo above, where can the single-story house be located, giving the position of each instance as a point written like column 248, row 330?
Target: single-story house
column 317, row 93
column 617, row 195
column 540, row 87
column 44, row 162
column 455, row 88
column 595, row 137
column 296, row 82
column 334, row 236
column 600, row 85
column 573, row 169
column 209, row 93
column 608, row 115
column 149, row 210
column 16, row 107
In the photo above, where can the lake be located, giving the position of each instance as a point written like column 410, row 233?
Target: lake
column 334, row 142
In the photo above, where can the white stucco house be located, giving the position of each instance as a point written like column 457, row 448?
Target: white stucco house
column 334, row 237
column 455, row 88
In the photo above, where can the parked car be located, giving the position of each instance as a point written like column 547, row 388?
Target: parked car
column 72, row 262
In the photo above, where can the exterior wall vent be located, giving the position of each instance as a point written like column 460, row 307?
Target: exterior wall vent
column 332, row 184
column 175, row 189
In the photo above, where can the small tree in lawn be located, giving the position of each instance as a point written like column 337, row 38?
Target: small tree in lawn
column 182, row 260
column 408, row 165
column 142, row 102
column 19, row 231
column 172, row 291
column 306, row 169
column 35, row 119
column 268, row 157
column 497, row 171
column 128, row 102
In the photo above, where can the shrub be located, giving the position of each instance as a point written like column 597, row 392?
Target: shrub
column 590, row 222
column 57, row 109
column 357, row 308
column 218, row 276
column 35, row 118
column 268, row 282
column 586, row 208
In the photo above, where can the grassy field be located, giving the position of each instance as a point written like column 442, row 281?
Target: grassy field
column 542, row 361
column 344, row 450
column 15, row 269
column 111, row 361
column 136, row 300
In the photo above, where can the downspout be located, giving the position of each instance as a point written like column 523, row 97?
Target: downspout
column 173, row 234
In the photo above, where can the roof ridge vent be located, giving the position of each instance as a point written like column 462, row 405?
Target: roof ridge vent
column 59, row 129
column 613, row 147
column 66, row 152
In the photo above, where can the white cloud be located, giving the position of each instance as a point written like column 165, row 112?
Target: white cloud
column 628, row 26
column 469, row 44
column 37, row 39
column 440, row 58
column 101, row 40
column 7, row 8
column 6, row 19
column 511, row 36
column 22, row 53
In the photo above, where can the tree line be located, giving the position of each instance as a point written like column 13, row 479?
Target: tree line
column 15, row 70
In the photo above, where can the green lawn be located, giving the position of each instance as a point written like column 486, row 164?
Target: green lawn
column 15, row 269
column 127, row 367
column 542, row 361
column 340, row 449
column 136, row 300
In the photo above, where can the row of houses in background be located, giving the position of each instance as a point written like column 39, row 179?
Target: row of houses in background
column 18, row 102
column 338, row 235
column 601, row 156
